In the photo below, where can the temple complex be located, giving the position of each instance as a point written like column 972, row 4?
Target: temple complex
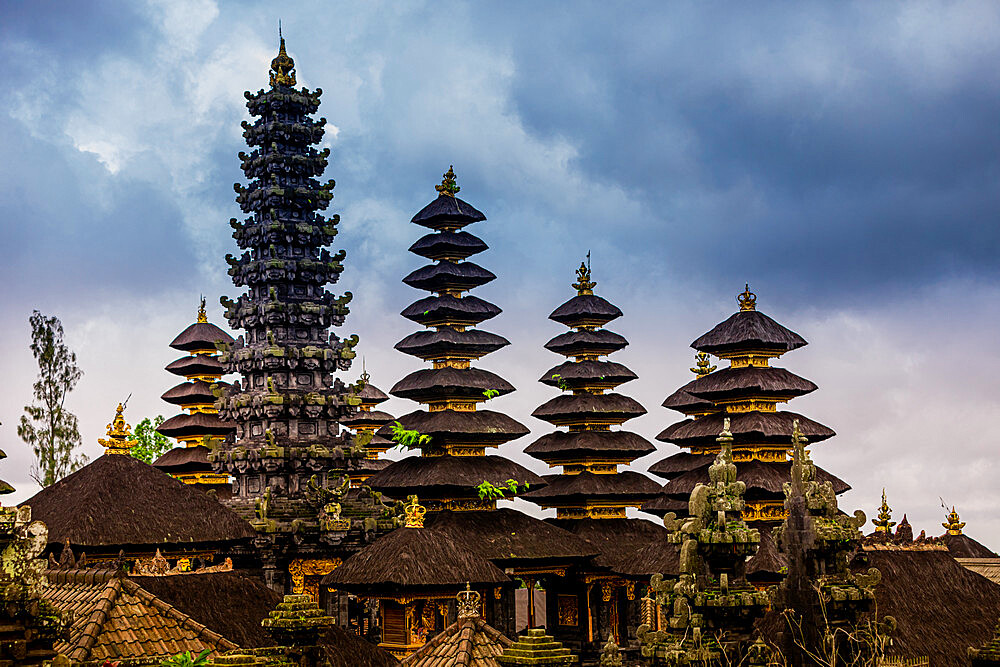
column 289, row 458
column 199, row 430
column 591, row 494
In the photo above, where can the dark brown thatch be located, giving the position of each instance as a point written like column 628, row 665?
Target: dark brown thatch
column 748, row 330
column 118, row 501
column 199, row 364
column 449, row 275
column 767, row 382
column 445, row 309
column 678, row 463
column 620, row 445
column 586, row 309
column 184, row 459
column 428, row 384
column 448, row 341
column 618, row 542
column 663, row 503
column 506, row 537
column 761, row 427
column 447, row 213
column 606, row 374
column 660, row 557
column 448, row 245
column 443, row 476
column 343, row 648
column 623, row 486
column 412, row 561
column 200, row 336
column 963, row 546
column 367, row 418
column 767, row 565
column 225, row 602
column 682, row 401
column 197, row 423
column 194, row 391
column 576, row 408
column 764, row 480
column 372, row 395
column 575, row 343
column 485, row 427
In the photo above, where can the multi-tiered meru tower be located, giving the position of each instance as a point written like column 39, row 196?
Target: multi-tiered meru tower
column 290, row 459
column 747, row 393
column 591, row 494
column 199, row 430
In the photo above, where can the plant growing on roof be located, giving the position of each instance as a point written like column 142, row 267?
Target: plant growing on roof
column 490, row 393
column 408, row 438
column 489, row 491
column 187, row 659
column 562, row 384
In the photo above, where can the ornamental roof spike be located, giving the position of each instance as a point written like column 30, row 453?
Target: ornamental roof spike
column 202, row 315
column 882, row 522
column 702, row 365
column 282, row 67
column 584, row 285
column 448, row 186
column 747, row 300
column 119, row 435
column 953, row 522
column 468, row 602
column 414, row 513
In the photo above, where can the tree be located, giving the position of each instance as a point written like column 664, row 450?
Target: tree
column 151, row 443
column 47, row 427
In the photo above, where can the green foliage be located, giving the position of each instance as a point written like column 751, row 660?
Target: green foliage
column 488, row 490
column 490, row 393
column 408, row 438
column 187, row 659
column 560, row 382
column 47, row 427
column 151, row 443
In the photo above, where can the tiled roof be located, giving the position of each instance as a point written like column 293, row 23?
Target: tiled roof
column 469, row 642
column 116, row 618
column 987, row 567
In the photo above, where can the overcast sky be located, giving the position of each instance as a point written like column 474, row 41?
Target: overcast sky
column 841, row 158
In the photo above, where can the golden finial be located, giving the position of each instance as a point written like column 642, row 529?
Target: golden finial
column 883, row 523
column 119, row 434
column 583, row 284
column 468, row 602
column 202, row 316
column 448, row 187
column 954, row 522
column 702, row 365
column 747, row 300
column 414, row 513
column 282, row 67
column 364, row 373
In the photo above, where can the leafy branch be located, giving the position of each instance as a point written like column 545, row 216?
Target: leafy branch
column 408, row 438
column 490, row 491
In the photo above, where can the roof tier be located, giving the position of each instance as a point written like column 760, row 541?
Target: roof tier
column 562, row 446
column 367, row 419
column 586, row 310
column 200, row 336
column 755, row 427
column 431, row 385
column 447, row 310
column 577, row 409
column 625, row 487
column 448, row 246
column 198, row 364
column 195, row 424
column 663, row 503
column 370, row 394
column 480, row 428
column 748, row 331
column 192, row 392
column 447, row 213
column 630, row 547
column 744, row 382
column 448, row 342
column 184, row 460
column 590, row 374
column 678, row 463
column 587, row 342
column 689, row 404
column 764, row 480
column 448, row 477
column 448, row 276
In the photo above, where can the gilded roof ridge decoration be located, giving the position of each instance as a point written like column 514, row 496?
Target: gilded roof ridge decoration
column 448, row 187
column 747, row 299
column 119, row 434
column 953, row 522
column 282, row 67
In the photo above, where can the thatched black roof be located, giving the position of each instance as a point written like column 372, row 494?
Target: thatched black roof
column 197, row 423
column 484, row 427
column 199, row 364
column 624, row 486
column 506, row 537
column 617, row 445
column 448, row 245
column 447, row 341
column 429, row 384
column 575, row 408
column 445, row 309
column 748, row 330
column 367, row 418
column 586, row 309
column 225, row 602
column 447, row 213
column 963, row 546
column 184, row 459
column 448, row 476
column 764, row 480
column 750, row 381
column 445, row 275
column 193, row 391
column 586, row 341
column 678, row 463
column 761, row 427
column 411, row 561
column 768, row 564
column 619, row 541
column 372, row 395
column 200, row 336
column 659, row 557
column 682, row 401
column 663, row 503
column 574, row 374
column 117, row 500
